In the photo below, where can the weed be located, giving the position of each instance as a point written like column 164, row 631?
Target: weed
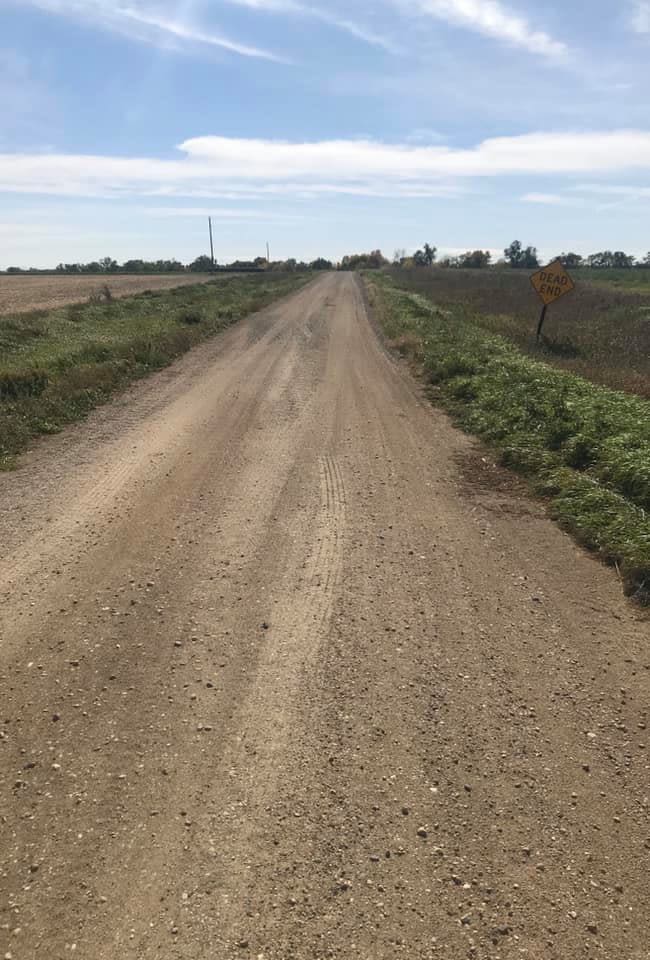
column 103, row 295
column 190, row 317
column 407, row 345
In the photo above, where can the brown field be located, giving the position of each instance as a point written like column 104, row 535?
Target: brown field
column 19, row 294
column 599, row 332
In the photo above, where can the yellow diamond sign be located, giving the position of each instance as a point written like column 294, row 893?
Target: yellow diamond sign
column 552, row 282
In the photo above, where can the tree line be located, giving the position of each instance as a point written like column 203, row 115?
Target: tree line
column 203, row 264
column 516, row 255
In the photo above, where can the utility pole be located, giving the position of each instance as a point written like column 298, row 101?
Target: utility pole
column 211, row 243
column 268, row 254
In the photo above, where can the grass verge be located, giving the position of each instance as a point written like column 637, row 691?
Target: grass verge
column 583, row 446
column 57, row 365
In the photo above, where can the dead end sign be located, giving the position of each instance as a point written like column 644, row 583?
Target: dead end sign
column 552, row 282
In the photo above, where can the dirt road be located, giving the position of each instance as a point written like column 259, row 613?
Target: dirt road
column 278, row 680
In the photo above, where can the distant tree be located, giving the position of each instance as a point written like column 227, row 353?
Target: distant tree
column 364, row 261
column 514, row 253
column 475, row 259
column 571, row 260
column 14, row 270
column 531, row 258
column 646, row 261
column 430, row 254
column 399, row 256
column 606, row 260
column 244, row 265
column 375, row 260
column 425, row 257
column 520, row 257
column 320, row 264
column 134, row 266
column 108, row 265
column 202, row 264
column 623, row 261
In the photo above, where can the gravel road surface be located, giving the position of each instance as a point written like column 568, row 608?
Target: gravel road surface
column 288, row 671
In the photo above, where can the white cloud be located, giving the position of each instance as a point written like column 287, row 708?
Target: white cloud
column 621, row 191
column 640, row 16
column 219, row 213
column 228, row 167
column 292, row 7
column 488, row 17
column 146, row 24
column 597, row 196
column 551, row 199
column 492, row 19
column 364, row 159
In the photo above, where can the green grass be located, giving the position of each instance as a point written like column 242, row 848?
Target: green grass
column 599, row 331
column 637, row 279
column 57, row 365
column 584, row 446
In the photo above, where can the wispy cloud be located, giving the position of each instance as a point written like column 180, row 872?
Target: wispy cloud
column 220, row 213
column 548, row 199
column 491, row 18
column 553, row 199
column 640, row 16
column 146, row 24
column 241, row 168
column 622, row 192
column 328, row 16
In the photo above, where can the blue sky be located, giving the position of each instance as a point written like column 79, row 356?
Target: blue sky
column 324, row 127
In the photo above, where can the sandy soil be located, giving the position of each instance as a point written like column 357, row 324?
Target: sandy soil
column 278, row 680
column 20, row 293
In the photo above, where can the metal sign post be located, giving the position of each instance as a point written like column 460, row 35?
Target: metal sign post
column 541, row 321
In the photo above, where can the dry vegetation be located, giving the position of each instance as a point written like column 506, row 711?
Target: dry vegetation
column 600, row 331
column 18, row 294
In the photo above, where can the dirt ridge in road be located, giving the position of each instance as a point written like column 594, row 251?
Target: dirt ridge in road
column 277, row 682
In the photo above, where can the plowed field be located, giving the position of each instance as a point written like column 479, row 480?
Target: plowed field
column 21, row 293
